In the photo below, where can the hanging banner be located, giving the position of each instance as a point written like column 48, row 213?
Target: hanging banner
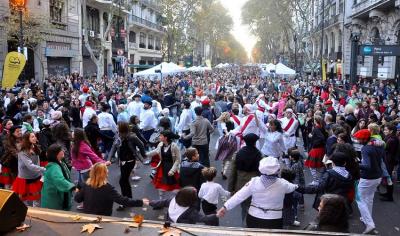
column 323, row 70
column 13, row 66
column 208, row 63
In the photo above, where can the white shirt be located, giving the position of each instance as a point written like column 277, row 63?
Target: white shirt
column 106, row 122
column 250, row 128
column 211, row 192
column 273, row 144
column 292, row 130
column 82, row 98
column 135, row 108
column 265, row 198
column 147, row 120
column 174, row 210
column 87, row 115
column 234, row 122
column 184, row 120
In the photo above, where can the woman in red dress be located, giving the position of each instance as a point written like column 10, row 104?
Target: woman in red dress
column 28, row 185
column 9, row 159
column 166, row 176
column 318, row 139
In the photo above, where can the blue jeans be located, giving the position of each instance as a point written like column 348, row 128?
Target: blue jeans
column 82, row 177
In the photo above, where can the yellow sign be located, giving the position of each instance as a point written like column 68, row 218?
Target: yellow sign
column 323, row 70
column 13, row 66
column 208, row 63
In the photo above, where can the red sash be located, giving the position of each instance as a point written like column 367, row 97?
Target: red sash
column 289, row 124
column 240, row 134
column 260, row 108
column 237, row 121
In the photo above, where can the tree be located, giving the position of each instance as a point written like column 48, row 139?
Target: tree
column 33, row 26
column 178, row 15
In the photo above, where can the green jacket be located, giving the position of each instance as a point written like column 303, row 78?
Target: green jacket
column 55, row 185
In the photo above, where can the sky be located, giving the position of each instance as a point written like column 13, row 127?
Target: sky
column 241, row 32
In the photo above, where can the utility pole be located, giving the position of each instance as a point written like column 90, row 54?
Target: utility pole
column 322, row 36
column 295, row 52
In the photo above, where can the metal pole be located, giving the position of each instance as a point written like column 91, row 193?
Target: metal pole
column 21, row 38
column 295, row 53
column 119, row 36
column 322, row 36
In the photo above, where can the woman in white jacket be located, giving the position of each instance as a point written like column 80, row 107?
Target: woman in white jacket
column 267, row 193
column 273, row 144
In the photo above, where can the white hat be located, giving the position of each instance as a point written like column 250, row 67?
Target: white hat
column 165, row 111
column 46, row 122
column 289, row 110
column 269, row 166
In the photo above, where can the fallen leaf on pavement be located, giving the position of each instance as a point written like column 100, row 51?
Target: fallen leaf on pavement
column 90, row 228
column 22, row 227
column 75, row 217
column 169, row 232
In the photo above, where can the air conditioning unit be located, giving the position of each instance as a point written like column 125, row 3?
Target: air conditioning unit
column 91, row 33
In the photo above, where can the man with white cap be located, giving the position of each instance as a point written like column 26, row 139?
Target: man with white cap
column 289, row 126
column 267, row 193
column 249, row 123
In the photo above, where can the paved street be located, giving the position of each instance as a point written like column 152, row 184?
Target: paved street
column 386, row 214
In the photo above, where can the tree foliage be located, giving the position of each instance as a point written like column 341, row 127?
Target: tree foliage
column 275, row 23
column 33, row 28
column 192, row 22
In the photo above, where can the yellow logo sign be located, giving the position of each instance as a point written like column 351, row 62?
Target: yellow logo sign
column 13, row 66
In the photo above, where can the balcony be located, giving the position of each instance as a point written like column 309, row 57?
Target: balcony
column 366, row 4
column 152, row 4
column 116, row 44
column 142, row 45
column 144, row 22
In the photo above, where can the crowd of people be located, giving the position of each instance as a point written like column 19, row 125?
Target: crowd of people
column 349, row 136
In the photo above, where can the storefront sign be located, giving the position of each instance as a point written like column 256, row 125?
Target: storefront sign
column 13, row 65
column 380, row 50
column 50, row 52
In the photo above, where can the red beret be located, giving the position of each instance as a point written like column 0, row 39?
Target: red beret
column 88, row 104
column 205, row 102
column 362, row 134
column 85, row 89
column 328, row 102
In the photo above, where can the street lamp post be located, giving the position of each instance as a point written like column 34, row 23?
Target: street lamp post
column 19, row 5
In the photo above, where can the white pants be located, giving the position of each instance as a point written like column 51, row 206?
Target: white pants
column 365, row 199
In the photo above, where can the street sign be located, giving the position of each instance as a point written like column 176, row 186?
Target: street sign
column 380, row 50
column 120, row 52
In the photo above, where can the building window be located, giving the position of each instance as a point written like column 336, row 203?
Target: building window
column 132, row 37
column 341, row 6
column 142, row 43
column 151, row 42
column 93, row 19
column 56, row 10
column 333, row 9
column 158, row 44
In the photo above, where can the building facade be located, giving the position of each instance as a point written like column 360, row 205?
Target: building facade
column 375, row 22
column 59, row 52
column 134, row 37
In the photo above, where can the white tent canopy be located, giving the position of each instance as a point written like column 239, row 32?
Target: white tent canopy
column 199, row 69
column 281, row 69
column 166, row 69
column 269, row 67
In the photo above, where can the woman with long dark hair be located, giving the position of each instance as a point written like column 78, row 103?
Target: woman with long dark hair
column 57, row 185
column 317, row 149
column 62, row 136
column 273, row 144
column 8, row 159
column 28, row 185
column 127, row 155
column 82, row 155
column 166, row 177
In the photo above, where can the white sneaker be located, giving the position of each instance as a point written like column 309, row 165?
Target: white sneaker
column 370, row 230
column 136, row 178
column 296, row 223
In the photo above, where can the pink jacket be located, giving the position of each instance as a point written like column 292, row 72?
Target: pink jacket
column 86, row 157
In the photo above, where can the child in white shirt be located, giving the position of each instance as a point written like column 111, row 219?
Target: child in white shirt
column 210, row 192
